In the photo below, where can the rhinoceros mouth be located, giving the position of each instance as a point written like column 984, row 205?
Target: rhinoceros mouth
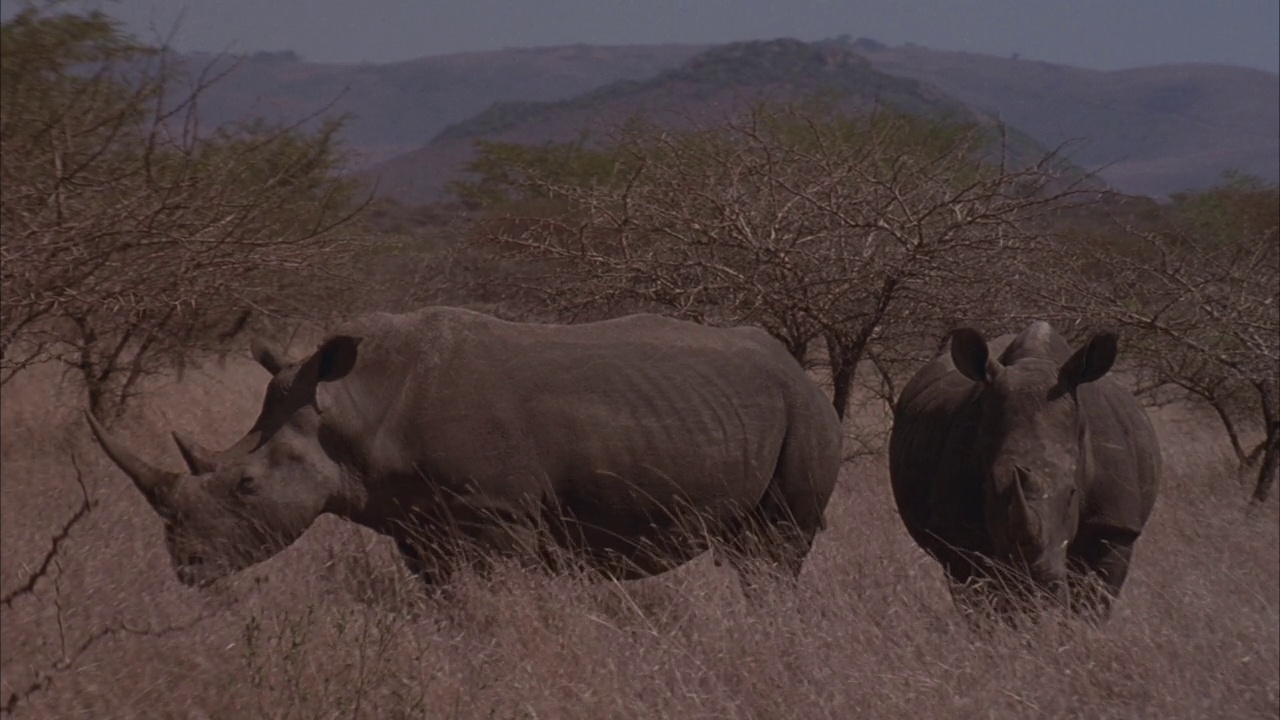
column 198, row 575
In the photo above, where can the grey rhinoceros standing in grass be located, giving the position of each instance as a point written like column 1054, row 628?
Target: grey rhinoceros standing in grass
column 633, row 444
column 1021, row 455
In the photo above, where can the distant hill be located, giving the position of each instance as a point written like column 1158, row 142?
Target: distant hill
column 1161, row 129
column 398, row 107
column 712, row 86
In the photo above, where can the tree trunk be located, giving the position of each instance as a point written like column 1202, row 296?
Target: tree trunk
column 799, row 349
column 1271, row 455
column 846, row 351
column 1270, row 466
column 1229, row 426
column 841, row 384
column 844, row 355
column 886, row 382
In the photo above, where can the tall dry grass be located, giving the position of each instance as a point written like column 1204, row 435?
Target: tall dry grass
column 334, row 627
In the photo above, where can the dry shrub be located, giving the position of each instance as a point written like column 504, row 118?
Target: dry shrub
column 336, row 627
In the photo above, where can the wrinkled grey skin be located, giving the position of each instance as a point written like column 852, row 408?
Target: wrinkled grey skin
column 452, row 432
column 1021, row 452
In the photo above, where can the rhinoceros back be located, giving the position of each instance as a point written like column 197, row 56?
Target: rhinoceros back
column 622, row 422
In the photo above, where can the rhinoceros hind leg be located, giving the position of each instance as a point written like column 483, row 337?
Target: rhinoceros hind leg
column 769, row 544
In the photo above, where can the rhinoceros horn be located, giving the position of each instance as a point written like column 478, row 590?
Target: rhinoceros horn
column 199, row 459
column 154, row 483
column 1021, row 513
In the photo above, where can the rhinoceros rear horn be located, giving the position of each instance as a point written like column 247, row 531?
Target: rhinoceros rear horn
column 199, row 459
column 154, row 483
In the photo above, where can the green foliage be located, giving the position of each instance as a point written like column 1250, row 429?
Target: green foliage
column 36, row 43
column 863, row 231
column 818, row 123
column 505, row 172
column 57, row 77
column 295, row 166
column 1197, row 287
column 1240, row 207
column 782, row 68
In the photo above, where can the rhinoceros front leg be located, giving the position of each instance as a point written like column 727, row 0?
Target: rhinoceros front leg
column 1101, row 557
column 429, row 566
column 471, row 535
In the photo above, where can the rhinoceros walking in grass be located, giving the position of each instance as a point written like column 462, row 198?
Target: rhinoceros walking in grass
column 631, row 443
column 1019, row 454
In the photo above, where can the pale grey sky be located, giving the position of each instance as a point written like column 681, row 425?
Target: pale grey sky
column 1102, row 34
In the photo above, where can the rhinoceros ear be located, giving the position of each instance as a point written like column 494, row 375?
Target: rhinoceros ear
column 1091, row 361
column 336, row 357
column 969, row 353
column 267, row 354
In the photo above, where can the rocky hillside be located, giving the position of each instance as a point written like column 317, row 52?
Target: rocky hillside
column 1152, row 130
column 1155, row 130
column 710, row 87
column 398, row 107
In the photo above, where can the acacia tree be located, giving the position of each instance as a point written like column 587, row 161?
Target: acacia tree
column 130, row 235
column 1199, row 293
column 869, row 233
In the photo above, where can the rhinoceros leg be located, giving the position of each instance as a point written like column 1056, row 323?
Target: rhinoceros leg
column 770, row 543
column 778, row 533
column 761, row 546
column 430, row 567
column 469, row 533
column 974, row 591
column 1101, row 558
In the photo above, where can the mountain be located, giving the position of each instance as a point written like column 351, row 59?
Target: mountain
column 1153, row 130
column 713, row 86
column 398, row 107
column 1156, row 130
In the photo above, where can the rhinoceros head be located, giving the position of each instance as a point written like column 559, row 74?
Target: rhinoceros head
column 1030, row 443
column 243, row 505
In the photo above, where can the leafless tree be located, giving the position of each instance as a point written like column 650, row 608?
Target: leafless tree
column 130, row 234
column 1203, row 319
column 71, row 645
column 870, row 235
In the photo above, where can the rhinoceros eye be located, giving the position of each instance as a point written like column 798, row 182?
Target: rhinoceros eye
column 247, row 487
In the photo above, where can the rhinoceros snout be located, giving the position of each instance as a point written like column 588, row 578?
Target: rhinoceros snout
column 195, row 572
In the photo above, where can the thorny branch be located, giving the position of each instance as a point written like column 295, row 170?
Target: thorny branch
column 859, row 235
column 131, row 235
column 28, row 585
column 49, row 567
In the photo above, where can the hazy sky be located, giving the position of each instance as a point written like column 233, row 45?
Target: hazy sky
column 1103, row 34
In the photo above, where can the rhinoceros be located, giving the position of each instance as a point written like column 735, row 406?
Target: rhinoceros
column 1019, row 461
column 632, row 444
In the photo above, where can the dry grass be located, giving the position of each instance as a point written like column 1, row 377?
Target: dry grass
column 334, row 627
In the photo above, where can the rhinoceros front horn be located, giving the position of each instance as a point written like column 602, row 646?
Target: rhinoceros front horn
column 199, row 459
column 154, row 483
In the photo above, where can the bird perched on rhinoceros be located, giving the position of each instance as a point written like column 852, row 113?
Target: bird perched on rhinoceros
column 632, row 443
column 1020, row 455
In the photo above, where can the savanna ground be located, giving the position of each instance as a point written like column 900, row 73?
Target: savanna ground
column 335, row 627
